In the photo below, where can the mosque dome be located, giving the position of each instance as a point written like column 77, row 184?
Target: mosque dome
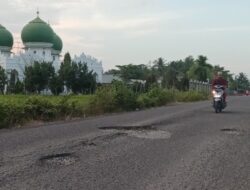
column 6, row 38
column 37, row 31
column 57, row 43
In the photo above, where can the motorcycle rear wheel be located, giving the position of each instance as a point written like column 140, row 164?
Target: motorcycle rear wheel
column 217, row 107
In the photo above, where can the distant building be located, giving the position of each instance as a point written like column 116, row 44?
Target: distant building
column 41, row 44
column 109, row 78
column 93, row 65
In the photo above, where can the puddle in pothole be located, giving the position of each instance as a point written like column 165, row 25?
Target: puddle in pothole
column 64, row 159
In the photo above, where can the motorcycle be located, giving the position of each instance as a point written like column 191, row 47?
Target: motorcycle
column 218, row 99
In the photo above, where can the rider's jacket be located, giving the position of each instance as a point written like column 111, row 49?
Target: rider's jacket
column 219, row 81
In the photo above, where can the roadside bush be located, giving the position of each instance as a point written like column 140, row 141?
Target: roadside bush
column 144, row 101
column 191, row 96
column 125, row 98
column 18, row 109
column 67, row 107
column 102, row 101
column 116, row 97
column 11, row 114
column 40, row 109
column 160, row 97
column 156, row 97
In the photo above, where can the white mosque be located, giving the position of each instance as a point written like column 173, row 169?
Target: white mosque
column 41, row 44
column 93, row 65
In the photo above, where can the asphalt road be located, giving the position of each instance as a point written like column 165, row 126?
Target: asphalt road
column 185, row 146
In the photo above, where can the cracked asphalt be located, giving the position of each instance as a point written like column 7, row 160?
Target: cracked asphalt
column 184, row 146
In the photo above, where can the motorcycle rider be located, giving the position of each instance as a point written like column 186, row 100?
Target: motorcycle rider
column 219, row 80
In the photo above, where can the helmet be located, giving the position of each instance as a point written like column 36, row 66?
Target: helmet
column 219, row 74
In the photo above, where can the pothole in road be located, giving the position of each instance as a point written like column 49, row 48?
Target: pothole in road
column 129, row 128
column 145, row 132
column 64, row 159
column 112, row 136
column 102, row 139
column 231, row 131
column 88, row 143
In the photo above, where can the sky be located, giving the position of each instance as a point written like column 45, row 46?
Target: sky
column 121, row 32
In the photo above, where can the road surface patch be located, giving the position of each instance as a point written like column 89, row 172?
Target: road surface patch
column 154, row 134
column 231, row 131
column 145, row 131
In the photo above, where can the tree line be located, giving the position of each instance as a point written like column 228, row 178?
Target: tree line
column 176, row 74
column 72, row 77
column 76, row 78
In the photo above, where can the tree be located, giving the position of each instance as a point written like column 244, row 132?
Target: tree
column 84, row 81
column 12, row 81
column 19, row 87
column 76, row 77
column 112, row 72
column 175, row 74
column 65, row 71
column 159, row 66
column 189, row 62
column 37, row 76
column 201, row 70
column 242, row 82
column 28, row 80
column 47, row 72
column 15, row 85
column 225, row 73
column 56, row 84
column 233, row 83
column 128, row 72
column 67, row 58
column 151, row 79
column 3, row 80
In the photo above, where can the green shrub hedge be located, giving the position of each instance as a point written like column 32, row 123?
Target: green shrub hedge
column 117, row 97
column 18, row 109
column 156, row 97
column 191, row 96
column 120, row 98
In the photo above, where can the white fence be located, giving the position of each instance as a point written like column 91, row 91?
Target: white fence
column 199, row 86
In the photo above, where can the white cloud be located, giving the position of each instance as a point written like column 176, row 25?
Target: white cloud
column 116, row 29
column 216, row 29
column 228, row 29
column 102, row 23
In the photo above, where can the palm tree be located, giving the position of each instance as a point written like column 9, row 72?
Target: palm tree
column 201, row 70
column 159, row 66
